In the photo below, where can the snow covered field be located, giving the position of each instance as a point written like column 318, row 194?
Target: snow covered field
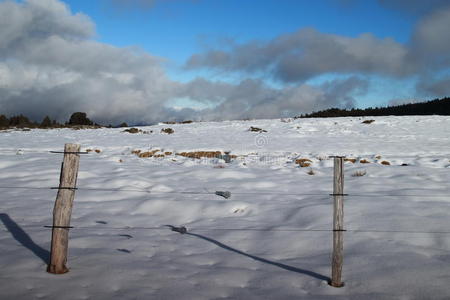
column 250, row 246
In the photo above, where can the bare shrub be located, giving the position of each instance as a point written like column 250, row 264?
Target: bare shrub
column 256, row 129
column 364, row 161
column 132, row 130
column 167, row 130
column 386, row 163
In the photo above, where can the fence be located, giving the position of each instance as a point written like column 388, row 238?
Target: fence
column 68, row 186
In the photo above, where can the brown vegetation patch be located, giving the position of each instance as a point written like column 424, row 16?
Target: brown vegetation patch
column 367, row 121
column 352, row 160
column 303, row 162
column 386, row 163
column 378, row 156
column 200, row 154
column 135, row 152
column 364, row 161
column 167, row 153
column 147, row 154
column 97, row 150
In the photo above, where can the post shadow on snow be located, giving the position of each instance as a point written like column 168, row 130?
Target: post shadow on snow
column 183, row 230
column 22, row 237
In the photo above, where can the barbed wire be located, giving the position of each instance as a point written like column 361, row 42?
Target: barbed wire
column 278, row 193
column 249, row 229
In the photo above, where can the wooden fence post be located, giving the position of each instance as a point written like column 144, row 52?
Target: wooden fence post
column 63, row 209
column 338, row 222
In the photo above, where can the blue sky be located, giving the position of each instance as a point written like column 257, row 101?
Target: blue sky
column 175, row 30
column 219, row 59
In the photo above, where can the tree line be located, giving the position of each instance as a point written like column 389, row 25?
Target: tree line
column 80, row 119
column 433, row 107
column 77, row 119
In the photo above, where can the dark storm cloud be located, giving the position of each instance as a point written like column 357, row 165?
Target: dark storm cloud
column 308, row 53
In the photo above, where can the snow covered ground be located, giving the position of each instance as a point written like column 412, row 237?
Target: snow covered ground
column 249, row 246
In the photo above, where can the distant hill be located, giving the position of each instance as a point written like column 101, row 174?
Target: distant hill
column 433, row 107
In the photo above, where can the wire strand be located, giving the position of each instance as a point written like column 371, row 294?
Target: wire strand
column 194, row 229
column 232, row 193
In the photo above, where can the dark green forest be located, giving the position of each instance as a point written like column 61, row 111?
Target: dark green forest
column 433, row 107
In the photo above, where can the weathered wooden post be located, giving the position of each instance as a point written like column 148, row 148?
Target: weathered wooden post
column 338, row 222
column 63, row 209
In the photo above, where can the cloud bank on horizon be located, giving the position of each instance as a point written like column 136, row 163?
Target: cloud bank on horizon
column 50, row 64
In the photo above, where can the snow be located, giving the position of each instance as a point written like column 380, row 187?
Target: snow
column 271, row 197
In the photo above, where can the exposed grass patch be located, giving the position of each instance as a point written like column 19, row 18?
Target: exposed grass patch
column 147, row 154
column 137, row 130
column 352, row 160
column 93, row 150
column 256, row 129
column 364, row 161
column 167, row 130
column 368, row 121
column 182, row 122
column 132, row 130
column 303, row 162
column 386, row 163
column 200, row 154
